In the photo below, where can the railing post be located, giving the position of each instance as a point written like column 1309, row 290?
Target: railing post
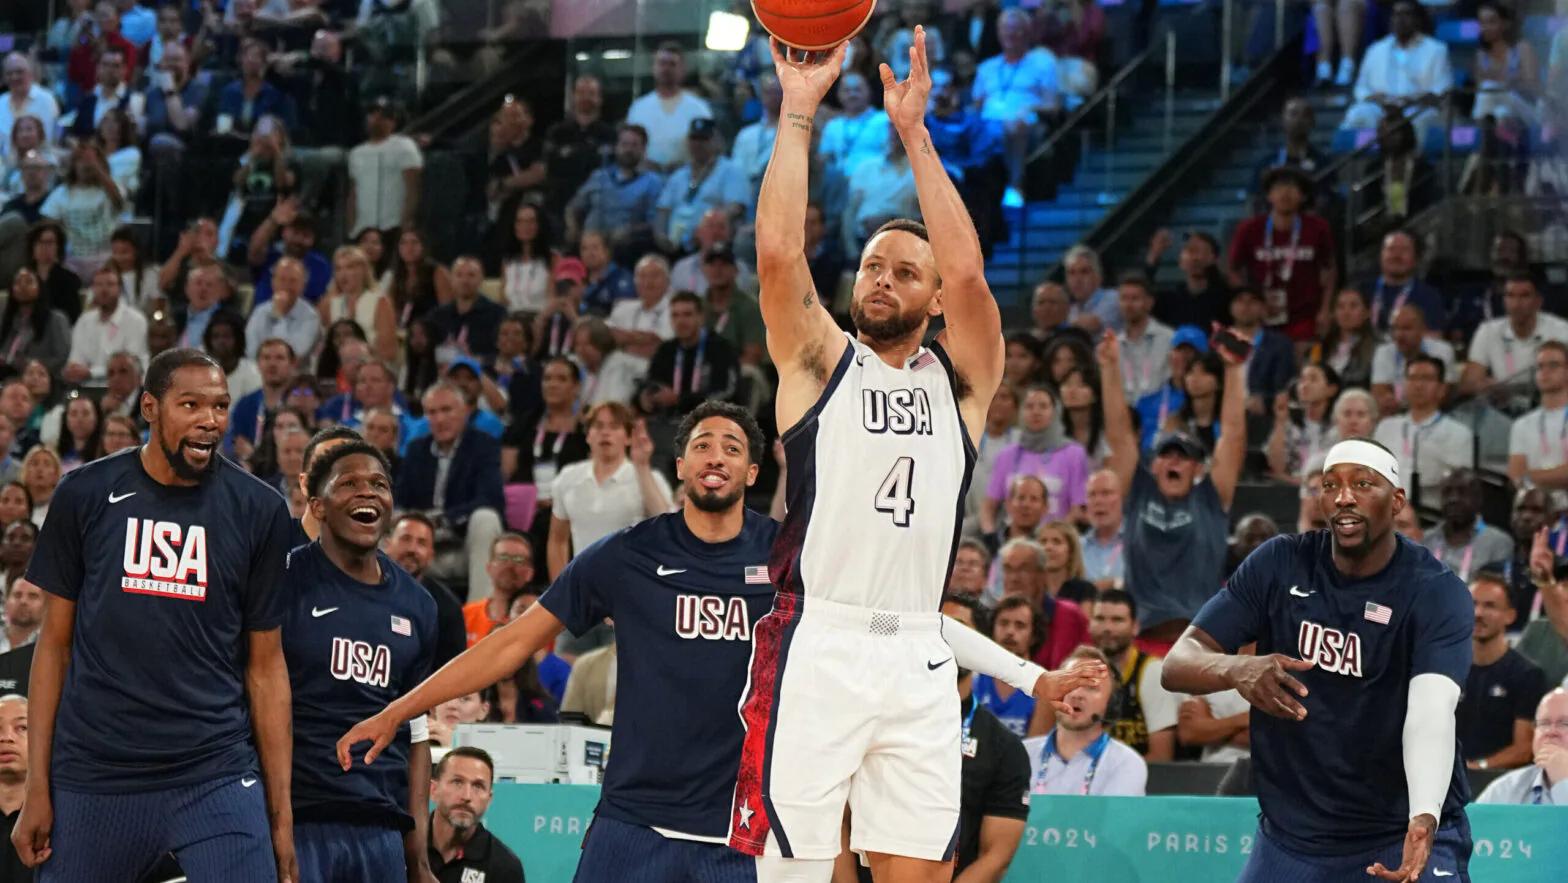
column 1170, row 87
column 1106, row 196
column 1227, row 13
column 1279, row 24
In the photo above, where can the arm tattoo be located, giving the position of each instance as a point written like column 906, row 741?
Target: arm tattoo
column 799, row 121
column 810, row 298
column 926, row 148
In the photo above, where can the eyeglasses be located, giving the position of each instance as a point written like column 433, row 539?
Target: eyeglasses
column 1560, row 723
column 514, row 559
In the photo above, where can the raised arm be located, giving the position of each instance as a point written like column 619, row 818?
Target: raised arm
column 974, row 324
column 1123, row 459
column 1231, row 449
column 803, row 340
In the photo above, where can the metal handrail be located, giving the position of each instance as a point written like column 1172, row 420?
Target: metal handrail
column 1070, row 125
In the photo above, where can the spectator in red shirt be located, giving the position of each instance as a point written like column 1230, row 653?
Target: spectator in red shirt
column 1064, row 623
column 1072, row 28
column 81, row 66
column 1288, row 254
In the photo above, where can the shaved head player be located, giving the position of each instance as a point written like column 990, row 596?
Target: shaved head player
column 1363, row 645
column 879, row 430
column 159, row 719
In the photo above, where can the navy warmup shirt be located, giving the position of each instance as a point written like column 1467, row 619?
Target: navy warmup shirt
column 352, row 648
column 167, row 582
column 1334, row 784
column 683, row 613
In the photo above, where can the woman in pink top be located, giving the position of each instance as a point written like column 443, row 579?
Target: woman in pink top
column 1044, row 450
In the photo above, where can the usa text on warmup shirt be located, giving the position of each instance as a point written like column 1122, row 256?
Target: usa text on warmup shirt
column 351, row 649
column 167, row 583
column 683, row 612
column 1334, row 784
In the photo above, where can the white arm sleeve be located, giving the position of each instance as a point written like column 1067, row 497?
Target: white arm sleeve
column 978, row 653
column 1429, row 738
column 418, row 730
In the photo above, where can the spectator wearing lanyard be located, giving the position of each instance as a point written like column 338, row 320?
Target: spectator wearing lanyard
column 618, row 201
column 1545, row 781
column 1464, row 541
column 1288, row 253
column 606, row 282
column 1428, row 443
column 1103, row 561
column 1497, row 709
column 1078, row 756
column 710, row 180
column 1538, row 443
column 1018, row 627
column 1408, row 340
column 1504, row 348
column 1146, row 342
column 467, row 325
column 1398, row 284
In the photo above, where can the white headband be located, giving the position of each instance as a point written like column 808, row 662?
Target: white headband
column 1364, row 453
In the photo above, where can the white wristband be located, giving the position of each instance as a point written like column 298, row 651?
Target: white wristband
column 419, row 730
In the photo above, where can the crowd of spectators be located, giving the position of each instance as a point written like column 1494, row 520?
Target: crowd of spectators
column 526, row 390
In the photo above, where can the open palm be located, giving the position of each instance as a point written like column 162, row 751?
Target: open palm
column 905, row 102
column 812, row 76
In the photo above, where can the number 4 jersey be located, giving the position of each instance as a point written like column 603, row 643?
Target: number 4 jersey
column 878, row 469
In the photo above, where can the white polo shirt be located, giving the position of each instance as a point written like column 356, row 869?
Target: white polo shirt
column 631, row 315
column 1541, row 437
column 95, row 339
column 1433, row 448
column 1505, row 354
column 598, row 510
column 1146, row 361
column 1104, row 769
column 1388, row 363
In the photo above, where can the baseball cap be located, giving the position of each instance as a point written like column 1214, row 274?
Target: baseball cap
column 719, row 251
column 1181, row 443
column 1190, row 335
column 702, row 127
column 570, row 269
column 468, row 362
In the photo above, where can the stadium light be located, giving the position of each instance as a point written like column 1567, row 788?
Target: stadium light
column 727, row 32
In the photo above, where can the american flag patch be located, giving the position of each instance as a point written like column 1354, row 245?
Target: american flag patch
column 402, row 626
column 757, row 575
column 926, row 358
column 1378, row 613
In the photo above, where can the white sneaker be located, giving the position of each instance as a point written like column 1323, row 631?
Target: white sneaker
column 1347, row 73
column 1325, row 73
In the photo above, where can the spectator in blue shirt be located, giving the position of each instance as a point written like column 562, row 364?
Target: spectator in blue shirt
column 973, row 153
column 298, row 242
column 251, row 97
column 619, row 200
column 607, row 282
column 709, row 180
column 1272, row 366
column 1398, row 283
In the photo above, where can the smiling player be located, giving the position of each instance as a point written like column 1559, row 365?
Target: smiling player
column 359, row 633
column 159, row 675
column 1363, row 645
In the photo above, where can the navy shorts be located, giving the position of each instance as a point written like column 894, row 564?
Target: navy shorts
column 1273, row 863
column 617, row 851
column 331, row 853
column 218, row 831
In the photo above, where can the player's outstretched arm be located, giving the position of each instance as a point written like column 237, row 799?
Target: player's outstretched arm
column 51, row 656
column 498, row 655
column 798, row 325
column 1198, row 665
column 272, row 719
column 978, row 653
column 974, row 323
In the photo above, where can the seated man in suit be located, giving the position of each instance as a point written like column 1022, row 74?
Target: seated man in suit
column 454, row 476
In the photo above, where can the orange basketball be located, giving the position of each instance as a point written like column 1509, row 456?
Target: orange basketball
column 814, row 25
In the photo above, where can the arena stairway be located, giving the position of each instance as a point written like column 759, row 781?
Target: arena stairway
column 1042, row 231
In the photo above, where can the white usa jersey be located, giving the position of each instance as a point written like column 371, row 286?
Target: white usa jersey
column 878, row 469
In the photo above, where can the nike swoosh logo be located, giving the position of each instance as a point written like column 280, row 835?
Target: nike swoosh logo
column 1440, row 873
column 115, row 498
column 1300, row 594
column 319, row 612
column 247, row 782
column 933, row 666
column 665, row 571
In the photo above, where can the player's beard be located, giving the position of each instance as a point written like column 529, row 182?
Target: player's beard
column 885, row 330
column 712, row 500
column 181, row 466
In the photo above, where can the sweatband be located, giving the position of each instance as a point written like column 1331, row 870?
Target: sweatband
column 978, row 653
column 1357, row 452
column 418, row 730
column 1428, row 740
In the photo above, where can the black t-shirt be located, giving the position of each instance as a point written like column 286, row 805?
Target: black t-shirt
column 995, row 779
column 572, row 152
column 555, row 450
column 1178, row 305
column 513, row 160
column 708, row 369
column 451, row 633
column 11, row 868
column 21, row 206
column 484, row 858
column 15, row 667
column 1495, row 696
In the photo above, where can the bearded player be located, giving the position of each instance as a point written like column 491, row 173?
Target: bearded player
column 1363, row 645
column 852, row 695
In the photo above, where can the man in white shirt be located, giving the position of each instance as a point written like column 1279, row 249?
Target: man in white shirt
column 1538, row 442
column 642, row 324
column 667, row 111
column 1503, row 349
column 384, row 175
column 1079, row 757
column 857, row 134
column 287, row 315
column 24, row 97
column 880, row 190
column 1146, row 342
column 754, row 144
column 1544, row 782
column 1019, row 89
column 1405, row 72
column 1104, row 552
column 1428, row 443
column 110, row 327
column 1407, row 337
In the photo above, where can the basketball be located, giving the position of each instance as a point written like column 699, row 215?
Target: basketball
column 813, row 25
